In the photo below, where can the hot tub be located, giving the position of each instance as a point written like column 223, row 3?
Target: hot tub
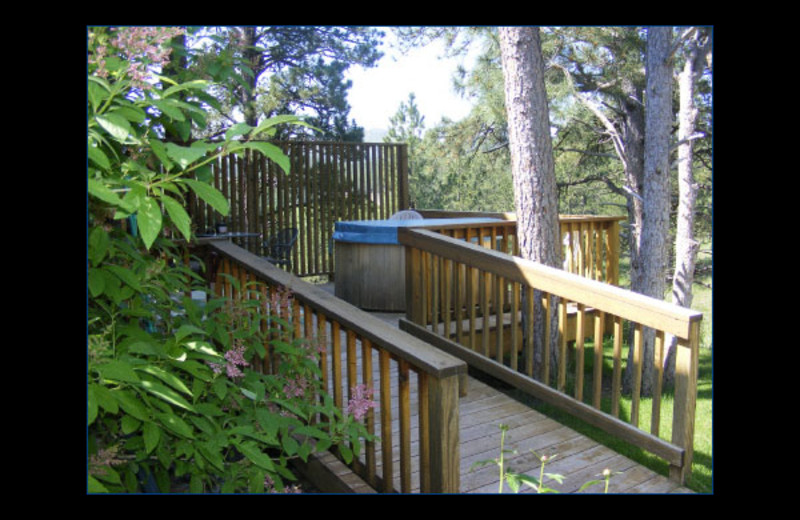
column 370, row 262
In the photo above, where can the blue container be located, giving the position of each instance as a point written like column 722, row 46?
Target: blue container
column 385, row 231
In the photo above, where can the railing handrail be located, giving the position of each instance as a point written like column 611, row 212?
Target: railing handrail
column 512, row 217
column 406, row 347
column 626, row 304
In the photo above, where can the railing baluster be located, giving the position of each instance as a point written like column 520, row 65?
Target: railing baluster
column 369, row 420
column 579, row 348
column 616, row 382
column 424, row 435
column 597, row 375
column 658, row 375
column 638, row 347
column 403, row 391
column 498, row 317
column 386, row 422
column 515, row 324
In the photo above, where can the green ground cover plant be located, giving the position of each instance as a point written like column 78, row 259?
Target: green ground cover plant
column 173, row 391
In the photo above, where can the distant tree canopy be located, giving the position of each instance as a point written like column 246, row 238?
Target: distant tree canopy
column 595, row 83
column 266, row 71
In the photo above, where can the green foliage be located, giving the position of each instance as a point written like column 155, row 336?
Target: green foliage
column 171, row 392
column 271, row 70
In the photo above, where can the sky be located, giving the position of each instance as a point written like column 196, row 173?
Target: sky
column 377, row 92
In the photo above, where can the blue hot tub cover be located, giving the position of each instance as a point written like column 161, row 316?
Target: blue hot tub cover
column 385, row 231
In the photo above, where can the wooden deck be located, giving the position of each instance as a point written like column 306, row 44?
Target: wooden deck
column 579, row 459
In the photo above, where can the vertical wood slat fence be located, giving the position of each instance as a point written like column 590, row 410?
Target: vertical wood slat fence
column 417, row 388
column 327, row 182
column 479, row 304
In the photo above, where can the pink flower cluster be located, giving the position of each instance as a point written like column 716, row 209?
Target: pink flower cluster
column 235, row 359
column 142, row 47
column 360, row 402
column 296, row 387
column 280, row 302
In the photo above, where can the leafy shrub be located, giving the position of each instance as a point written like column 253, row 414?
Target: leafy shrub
column 174, row 388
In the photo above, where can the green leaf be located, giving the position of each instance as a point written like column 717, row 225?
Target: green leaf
column 98, row 157
column 210, row 195
column 198, row 84
column 152, row 434
column 105, row 399
column 166, row 394
column 175, row 424
column 346, row 453
column 187, row 330
column 131, row 405
column 161, row 152
column 131, row 113
column 95, row 486
column 290, row 445
column 99, row 242
column 184, row 155
column 97, row 282
column 237, row 130
column 272, row 152
column 204, row 348
column 126, row 275
column 149, row 221
column 178, row 216
column 169, row 109
column 281, row 120
column 212, row 455
column 116, row 125
column 255, row 456
column 91, row 406
column 118, row 371
column 99, row 190
column 590, row 484
column 167, row 377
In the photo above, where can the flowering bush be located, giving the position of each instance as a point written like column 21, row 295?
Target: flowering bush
column 174, row 388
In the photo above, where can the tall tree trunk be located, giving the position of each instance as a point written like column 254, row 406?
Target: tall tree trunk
column 649, row 279
column 633, row 131
column 685, row 244
column 253, row 59
column 532, row 167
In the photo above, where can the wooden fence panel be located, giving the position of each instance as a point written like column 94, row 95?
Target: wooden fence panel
column 327, row 182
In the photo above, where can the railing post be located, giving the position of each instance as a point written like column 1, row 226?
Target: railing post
column 445, row 456
column 414, row 285
column 612, row 253
column 686, row 369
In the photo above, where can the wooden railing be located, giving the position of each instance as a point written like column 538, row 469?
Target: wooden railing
column 590, row 243
column 591, row 246
column 410, row 378
column 480, row 304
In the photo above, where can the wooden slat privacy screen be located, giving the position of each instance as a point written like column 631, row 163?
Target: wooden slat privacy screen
column 327, row 182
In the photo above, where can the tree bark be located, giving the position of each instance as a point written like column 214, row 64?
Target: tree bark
column 532, row 166
column 649, row 279
column 253, row 58
column 686, row 246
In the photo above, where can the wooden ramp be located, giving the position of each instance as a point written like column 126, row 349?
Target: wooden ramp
column 574, row 456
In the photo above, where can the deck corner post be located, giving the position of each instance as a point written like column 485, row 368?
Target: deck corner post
column 445, row 455
column 686, row 369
